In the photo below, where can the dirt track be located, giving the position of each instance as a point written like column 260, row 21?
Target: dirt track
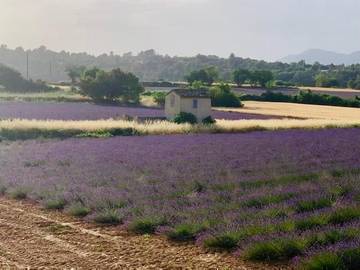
column 31, row 238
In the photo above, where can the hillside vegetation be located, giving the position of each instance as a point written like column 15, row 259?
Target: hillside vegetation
column 150, row 66
column 11, row 79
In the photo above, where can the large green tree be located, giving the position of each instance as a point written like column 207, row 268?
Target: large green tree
column 354, row 83
column 110, row 86
column 240, row 76
column 262, row 77
column 326, row 80
column 75, row 73
column 222, row 96
column 303, row 78
column 207, row 76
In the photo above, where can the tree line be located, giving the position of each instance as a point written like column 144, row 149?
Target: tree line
column 347, row 77
column 149, row 66
column 208, row 76
column 119, row 86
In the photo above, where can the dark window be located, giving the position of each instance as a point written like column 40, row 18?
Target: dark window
column 195, row 103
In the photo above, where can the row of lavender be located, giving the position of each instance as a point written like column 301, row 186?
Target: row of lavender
column 87, row 111
column 265, row 195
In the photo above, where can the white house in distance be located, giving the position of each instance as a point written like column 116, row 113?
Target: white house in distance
column 197, row 102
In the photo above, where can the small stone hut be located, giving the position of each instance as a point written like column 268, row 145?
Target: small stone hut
column 197, row 102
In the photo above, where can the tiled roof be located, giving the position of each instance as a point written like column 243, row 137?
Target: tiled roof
column 198, row 93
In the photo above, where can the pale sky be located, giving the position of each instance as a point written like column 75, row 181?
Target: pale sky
column 263, row 29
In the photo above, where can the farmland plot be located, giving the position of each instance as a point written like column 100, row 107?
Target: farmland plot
column 87, row 111
column 39, row 239
column 239, row 192
column 298, row 110
column 342, row 93
column 64, row 120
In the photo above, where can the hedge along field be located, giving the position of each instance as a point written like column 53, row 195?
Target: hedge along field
column 267, row 196
column 342, row 93
column 346, row 93
column 88, row 111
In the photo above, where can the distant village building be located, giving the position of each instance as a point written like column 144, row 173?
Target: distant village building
column 197, row 102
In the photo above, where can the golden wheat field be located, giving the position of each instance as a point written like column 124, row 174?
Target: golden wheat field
column 165, row 127
column 298, row 110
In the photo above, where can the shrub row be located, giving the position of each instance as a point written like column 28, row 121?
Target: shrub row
column 108, row 213
column 338, row 217
column 35, row 133
column 185, row 117
column 303, row 97
column 344, row 260
column 230, row 241
column 286, row 249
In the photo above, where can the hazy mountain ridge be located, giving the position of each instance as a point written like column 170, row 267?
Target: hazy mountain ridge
column 323, row 57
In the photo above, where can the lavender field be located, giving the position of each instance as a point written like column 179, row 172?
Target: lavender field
column 267, row 196
column 87, row 111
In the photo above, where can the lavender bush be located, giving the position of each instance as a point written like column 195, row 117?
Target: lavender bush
column 295, row 193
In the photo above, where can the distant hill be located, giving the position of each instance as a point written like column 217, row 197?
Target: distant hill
column 148, row 65
column 323, row 57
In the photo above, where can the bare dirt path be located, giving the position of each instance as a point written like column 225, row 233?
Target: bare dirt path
column 32, row 238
